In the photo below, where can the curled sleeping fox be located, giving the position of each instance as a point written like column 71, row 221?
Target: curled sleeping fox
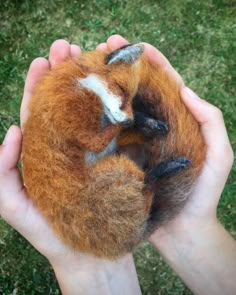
column 109, row 152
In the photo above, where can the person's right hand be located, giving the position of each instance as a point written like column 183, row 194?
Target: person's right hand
column 200, row 210
column 194, row 243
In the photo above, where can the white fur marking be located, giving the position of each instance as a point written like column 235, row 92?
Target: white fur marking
column 110, row 101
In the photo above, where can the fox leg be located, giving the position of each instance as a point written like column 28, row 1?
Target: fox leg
column 146, row 116
column 165, row 180
column 99, row 142
column 162, row 170
column 166, row 168
column 131, row 141
column 149, row 126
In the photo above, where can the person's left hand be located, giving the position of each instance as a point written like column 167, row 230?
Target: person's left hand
column 17, row 209
column 15, row 206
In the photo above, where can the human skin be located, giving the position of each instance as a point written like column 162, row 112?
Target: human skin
column 195, row 244
column 77, row 273
column 196, row 227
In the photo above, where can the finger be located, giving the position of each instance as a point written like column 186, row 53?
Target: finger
column 75, row 50
column 37, row 68
column 212, row 126
column 116, row 41
column 154, row 55
column 151, row 53
column 102, row 47
column 59, row 51
column 157, row 58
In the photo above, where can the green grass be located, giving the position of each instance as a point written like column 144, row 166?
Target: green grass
column 198, row 37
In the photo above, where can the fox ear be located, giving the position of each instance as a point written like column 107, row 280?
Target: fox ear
column 127, row 54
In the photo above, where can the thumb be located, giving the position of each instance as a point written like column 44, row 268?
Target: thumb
column 12, row 191
column 210, row 118
column 10, row 150
column 10, row 178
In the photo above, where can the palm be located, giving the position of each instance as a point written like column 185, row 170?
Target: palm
column 17, row 209
column 200, row 210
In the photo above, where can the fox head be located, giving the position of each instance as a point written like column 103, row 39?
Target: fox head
column 114, row 78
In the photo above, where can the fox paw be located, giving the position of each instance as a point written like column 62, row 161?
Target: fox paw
column 148, row 126
column 166, row 168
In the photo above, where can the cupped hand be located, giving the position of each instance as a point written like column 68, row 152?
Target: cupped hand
column 198, row 217
column 76, row 272
column 195, row 244
column 200, row 211
column 15, row 206
column 17, row 209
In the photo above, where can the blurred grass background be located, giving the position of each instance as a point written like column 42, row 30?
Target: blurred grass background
column 198, row 37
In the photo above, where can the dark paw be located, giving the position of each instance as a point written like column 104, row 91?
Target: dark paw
column 148, row 126
column 167, row 168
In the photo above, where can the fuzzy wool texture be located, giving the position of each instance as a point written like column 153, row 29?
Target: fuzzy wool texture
column 101, row 207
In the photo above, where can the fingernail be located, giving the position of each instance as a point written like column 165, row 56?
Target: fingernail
column 191, row 94
column 75, row 50
column 7, row 138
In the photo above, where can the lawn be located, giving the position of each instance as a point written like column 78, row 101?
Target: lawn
column 198, row 37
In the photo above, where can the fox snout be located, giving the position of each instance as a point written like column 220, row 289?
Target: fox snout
column 129, row 120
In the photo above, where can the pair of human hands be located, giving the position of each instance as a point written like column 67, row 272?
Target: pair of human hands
column 18, row 210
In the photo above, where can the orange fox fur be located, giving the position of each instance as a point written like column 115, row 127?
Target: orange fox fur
column 102, row 207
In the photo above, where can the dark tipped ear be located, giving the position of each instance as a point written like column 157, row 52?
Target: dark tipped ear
column 127, row 54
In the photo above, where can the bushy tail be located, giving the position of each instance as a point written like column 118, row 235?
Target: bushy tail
column 107, row 216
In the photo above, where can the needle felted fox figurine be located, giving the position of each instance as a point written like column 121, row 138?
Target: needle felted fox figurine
column 109, row 152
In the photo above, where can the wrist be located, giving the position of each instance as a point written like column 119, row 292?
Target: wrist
column 204, row 257
column 83, row 279
column 92, row 275
column 184, row 232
